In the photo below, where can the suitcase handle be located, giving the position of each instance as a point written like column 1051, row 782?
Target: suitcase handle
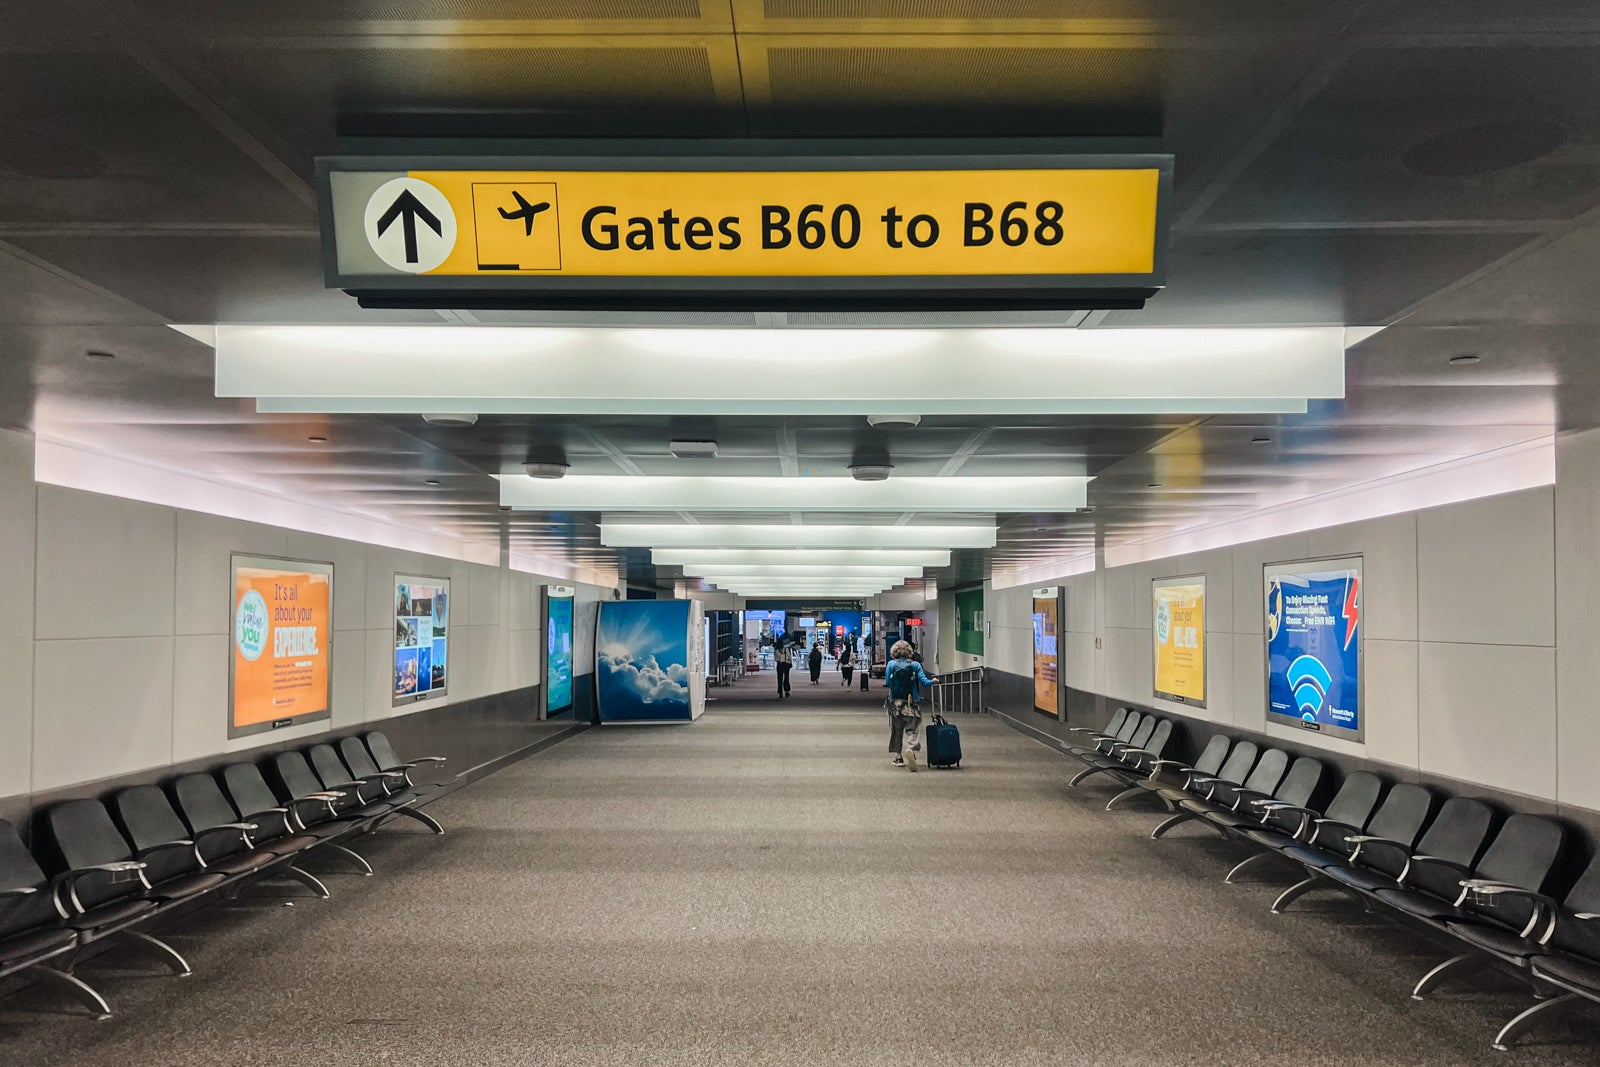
column 938, row 720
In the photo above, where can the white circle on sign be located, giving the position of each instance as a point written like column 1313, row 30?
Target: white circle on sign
column 410, row 225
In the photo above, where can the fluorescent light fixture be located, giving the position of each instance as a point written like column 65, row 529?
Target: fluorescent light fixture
column 542, row 370
column 745, row 581
column 729, row 559
column 728, row 535
column 713, row 572
column 590, row 492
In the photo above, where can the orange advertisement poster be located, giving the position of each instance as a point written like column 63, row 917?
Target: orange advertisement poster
column 282, row 638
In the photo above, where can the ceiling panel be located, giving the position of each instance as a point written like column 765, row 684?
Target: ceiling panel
column 93, row 139
column 1310, row 278
column 1501, row 132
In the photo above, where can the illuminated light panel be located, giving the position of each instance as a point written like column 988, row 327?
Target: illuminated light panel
column 728, row 559
column 542, row 370
column 687, row 493
column 729, row 535
column 745, row 581
column 713, row 572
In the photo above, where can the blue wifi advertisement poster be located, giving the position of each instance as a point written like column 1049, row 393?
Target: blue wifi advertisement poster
column 1313, row 628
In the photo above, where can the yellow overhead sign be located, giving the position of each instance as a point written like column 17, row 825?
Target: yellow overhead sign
column 1098, row 222
column 800, row 224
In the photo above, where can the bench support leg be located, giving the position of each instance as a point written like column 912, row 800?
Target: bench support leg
column 423, row 817
column 168, row 954
column 1296, row 891
column 1177, row 820
column 1522, row 1023
column 74, row 987
column 307, row 879
column 1131, row 791
column 1433, row 979
column 354, row 856
column 1244, row 865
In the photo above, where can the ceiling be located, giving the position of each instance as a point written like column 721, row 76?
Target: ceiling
column 1432, row 166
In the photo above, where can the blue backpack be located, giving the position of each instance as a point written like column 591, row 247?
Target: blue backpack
column 901, row 676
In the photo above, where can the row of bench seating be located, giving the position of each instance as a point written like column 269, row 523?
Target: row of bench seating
column 1445, row 871
column 127, row 862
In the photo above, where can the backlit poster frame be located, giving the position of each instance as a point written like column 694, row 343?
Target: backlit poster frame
column 1178, row 645
column 254, row 615
column 411, row 622
column 560, row 644
column 1047, row 687
column 1323, row 682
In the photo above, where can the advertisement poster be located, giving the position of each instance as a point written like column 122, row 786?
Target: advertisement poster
column 1179, row 617
column 421, row 638
column 642, row 660
column 558, row 655
column 1313, row 628
column 282, row 644
column 1046, row 659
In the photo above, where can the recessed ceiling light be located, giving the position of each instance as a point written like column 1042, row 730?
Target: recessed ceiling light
column 448, row 418
column 98, row 353
column 1153, row 485
column 871, row 472
column 1464, row 360
column 430, row 481
column 317, row 439
column 893, row 422
column 545, row 470
column 1261, row 439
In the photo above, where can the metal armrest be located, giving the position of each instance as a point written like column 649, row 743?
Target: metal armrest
column 392, row 774
column 1240, row 794
column 327, row 794
column 1131, row 751
column 1172, row 763
column 1586, row 915
column 1361, row 841
column 1485, row 887
column 426, row 759
column 1439, row 861
column 68, row 880
column 282, row 813
column 1324, row 824
column 168, row 846
column 242, row 829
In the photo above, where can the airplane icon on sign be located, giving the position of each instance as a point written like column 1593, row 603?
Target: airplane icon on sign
column 525, row 211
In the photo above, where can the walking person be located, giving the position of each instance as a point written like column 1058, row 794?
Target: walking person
column 784, row 660
column 905, row 679
column 815, row 662
column 846, row 664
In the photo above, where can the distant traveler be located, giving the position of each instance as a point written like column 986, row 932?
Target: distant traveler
column 816, row 663
column 905, row 677
column 845, row 663
column 784, row 660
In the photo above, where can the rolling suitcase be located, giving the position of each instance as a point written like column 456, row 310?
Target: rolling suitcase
column 942, row 743
column 865, row 676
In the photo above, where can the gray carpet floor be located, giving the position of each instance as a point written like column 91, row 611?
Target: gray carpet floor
column 762, row 887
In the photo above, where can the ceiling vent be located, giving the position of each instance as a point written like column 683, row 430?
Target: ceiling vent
column 693, row 449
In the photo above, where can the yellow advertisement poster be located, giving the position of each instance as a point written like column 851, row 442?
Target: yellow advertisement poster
column 1180, row 639
column 1046, row 661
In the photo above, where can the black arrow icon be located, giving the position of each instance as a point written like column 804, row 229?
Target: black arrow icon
column 409, row 209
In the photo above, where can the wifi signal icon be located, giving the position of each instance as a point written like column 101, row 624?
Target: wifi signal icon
column 1310, row 681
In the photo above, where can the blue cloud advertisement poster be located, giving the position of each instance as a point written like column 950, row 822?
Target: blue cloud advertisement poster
column 642, row 661
column 1313, row 630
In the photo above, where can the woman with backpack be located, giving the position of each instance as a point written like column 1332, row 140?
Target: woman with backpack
column 783, row 659
column 846, row 664
column 905, row 678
